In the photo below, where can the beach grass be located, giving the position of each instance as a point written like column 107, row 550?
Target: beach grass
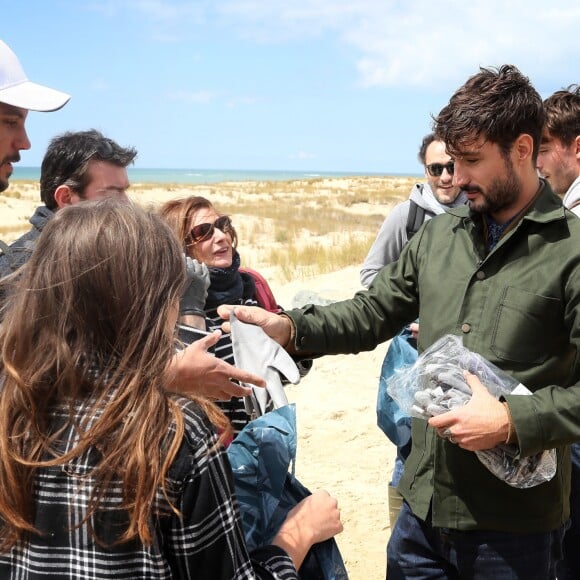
column 300, row 228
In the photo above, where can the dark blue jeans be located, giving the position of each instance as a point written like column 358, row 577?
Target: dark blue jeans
column 418, row 550
column 569, row 568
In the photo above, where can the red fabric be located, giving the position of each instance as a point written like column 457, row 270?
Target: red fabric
column 264, row 295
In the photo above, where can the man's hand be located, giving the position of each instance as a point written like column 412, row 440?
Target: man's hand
column 195, row 371
column 414, row 328
column 275, row 326
column 483, row 423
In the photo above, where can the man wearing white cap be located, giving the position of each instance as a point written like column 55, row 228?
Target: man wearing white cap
column 18, row 95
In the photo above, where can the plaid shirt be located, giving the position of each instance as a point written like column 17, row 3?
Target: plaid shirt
column 207, row 542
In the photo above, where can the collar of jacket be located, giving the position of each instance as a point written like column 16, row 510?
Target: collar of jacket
column 547, row 208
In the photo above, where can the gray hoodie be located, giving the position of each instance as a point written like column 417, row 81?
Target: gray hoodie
column 393, row 233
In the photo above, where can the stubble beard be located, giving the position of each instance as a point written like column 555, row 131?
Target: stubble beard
column 501, row 193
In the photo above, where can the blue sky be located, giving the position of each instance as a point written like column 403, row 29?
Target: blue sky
column 331, row 85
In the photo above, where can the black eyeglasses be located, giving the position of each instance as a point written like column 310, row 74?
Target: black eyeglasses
column 436, row 169
column 205, row 231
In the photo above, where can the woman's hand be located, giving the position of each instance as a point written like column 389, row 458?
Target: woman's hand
column 315, row 519
column 196, row 371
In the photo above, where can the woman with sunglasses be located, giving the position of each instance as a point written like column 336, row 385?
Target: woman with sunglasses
column 103, row 472
column 211, row 239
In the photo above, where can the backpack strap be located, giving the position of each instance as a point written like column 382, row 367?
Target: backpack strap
column 415, row 219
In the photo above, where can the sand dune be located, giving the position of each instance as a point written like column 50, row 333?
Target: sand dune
column 340, row 447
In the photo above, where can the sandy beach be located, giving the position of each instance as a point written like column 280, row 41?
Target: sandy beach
column 340, row 447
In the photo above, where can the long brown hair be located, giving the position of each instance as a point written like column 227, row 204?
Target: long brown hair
column 88, row 320
column 178, row 213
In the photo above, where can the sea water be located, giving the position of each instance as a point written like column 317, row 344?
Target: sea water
column 193, row 176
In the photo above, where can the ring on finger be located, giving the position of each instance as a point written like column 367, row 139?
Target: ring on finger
column 449, row 436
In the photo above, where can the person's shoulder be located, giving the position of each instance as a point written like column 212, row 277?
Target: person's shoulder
column 262, row 292
column 197, row 423
column 416, row 195
column 198, row 446
column 17, row 253
column 401, row 210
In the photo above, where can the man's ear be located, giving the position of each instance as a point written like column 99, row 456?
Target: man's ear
column 523, row 148
column 63, row 196
column 577, row 148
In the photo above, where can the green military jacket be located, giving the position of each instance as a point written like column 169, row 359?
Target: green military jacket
column 519, row 307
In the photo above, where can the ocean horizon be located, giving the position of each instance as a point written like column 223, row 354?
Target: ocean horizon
column 201, row 176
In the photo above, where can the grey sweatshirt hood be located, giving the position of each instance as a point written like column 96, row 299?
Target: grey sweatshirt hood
column 424, row 197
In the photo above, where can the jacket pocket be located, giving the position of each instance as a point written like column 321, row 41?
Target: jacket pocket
column 525, row 325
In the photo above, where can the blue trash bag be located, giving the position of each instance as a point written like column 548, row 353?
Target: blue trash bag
column 393, row 421
column 261, row 456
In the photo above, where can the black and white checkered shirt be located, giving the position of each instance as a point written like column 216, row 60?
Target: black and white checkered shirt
column 207, row 542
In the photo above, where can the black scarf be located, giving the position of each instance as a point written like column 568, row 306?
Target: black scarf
column 228, row 285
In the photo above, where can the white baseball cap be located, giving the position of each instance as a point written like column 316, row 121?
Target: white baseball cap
column 18, row 91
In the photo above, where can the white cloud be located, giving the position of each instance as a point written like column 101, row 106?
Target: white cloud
column 234, row 102
column 302, row 155
column 167, row 21
column 196, row 97
column 402, row 43
column 418, row 43
column 207, row 97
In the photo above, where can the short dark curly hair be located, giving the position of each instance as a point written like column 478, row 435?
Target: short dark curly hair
column 67, row 159
column 563, row 114
column 498, row 104
column 427, row 140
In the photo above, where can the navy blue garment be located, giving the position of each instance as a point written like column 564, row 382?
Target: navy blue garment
column 260, row 457
column 419, row 550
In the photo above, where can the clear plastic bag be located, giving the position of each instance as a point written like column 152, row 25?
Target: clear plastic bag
column 435, row 384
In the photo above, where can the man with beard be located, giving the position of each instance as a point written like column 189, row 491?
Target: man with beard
column 18, row 96
column 559, row 156
column 559, row 163
column 503, row 274
column 436, row 195
column 77, row 166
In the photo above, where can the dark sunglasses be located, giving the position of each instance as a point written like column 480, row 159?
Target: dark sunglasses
column 436, row 169
column 205, row 231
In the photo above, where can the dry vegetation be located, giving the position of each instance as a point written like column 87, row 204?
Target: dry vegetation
column 297, row 228
column 307, row 227
column 309, row 235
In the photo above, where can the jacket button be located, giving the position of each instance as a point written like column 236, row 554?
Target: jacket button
column 465, row 327
column 480, row 275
